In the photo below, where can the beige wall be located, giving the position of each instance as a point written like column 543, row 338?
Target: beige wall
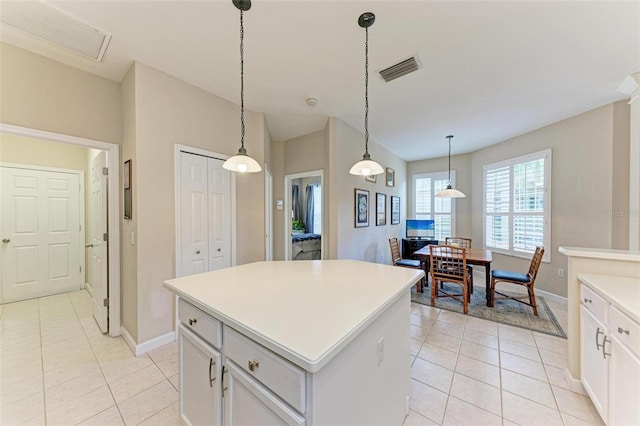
column 168, row 111
column 42, row 94
column 588, row 156
column 370, row 243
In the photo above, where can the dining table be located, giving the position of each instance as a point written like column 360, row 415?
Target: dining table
column 480, row 257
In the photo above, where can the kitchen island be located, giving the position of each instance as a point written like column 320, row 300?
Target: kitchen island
column 306, row 342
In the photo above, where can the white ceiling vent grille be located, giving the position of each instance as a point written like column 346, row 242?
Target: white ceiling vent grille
column 400, row 69
column 55, row 26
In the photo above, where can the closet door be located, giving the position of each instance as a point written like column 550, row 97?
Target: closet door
column 205, row 214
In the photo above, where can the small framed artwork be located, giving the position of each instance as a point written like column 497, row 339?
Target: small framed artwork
column 395, row 210
column 371, row 178
column 381, row 209
column 126, row 177
column 391, row 177
column 361, row 208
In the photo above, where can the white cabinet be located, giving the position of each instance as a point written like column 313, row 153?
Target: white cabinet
column 200, row 371
column 625, row 370
column 247, row 402
column 609, row 355
column 594, row 373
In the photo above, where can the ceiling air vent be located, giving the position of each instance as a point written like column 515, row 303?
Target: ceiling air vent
column 398, row 70
column 55, row 26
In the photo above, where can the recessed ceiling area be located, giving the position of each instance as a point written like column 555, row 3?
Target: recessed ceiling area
column 489, row 71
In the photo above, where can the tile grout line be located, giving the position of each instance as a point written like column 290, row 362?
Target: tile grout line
column 44, row 391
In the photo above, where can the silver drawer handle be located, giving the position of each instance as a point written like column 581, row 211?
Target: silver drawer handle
column 587, row 300
column 253, row 365
column 620, row 330
column 197, row 251
column 192, row 321
column 6, row 240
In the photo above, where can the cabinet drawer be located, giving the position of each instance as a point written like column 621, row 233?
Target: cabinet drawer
column 207, row 327
column 594, row 303
column 281, row 376
column 625, row 329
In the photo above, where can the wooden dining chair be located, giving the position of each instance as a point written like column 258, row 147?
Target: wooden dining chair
column 527, row 280
column 464, row 243
column 397, row 260
column 449, row 265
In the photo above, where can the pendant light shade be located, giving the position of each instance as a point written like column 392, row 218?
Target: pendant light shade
column 366, row 166
column 241, row 162
column 449, row 192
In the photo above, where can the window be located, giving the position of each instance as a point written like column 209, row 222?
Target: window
column 517, row 205
column 427, row 206
column 317, row 209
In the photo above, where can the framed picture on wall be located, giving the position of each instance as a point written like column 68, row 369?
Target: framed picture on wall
column 126, row 178
column 361, row 211
column 381, row 209
column 371, row 178
column 390, row 175
column 395, row 210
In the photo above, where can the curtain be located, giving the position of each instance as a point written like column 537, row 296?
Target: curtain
column 308, row 210
column 295, row 202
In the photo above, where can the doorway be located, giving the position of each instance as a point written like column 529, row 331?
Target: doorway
column 304, row 201
column 111, row 302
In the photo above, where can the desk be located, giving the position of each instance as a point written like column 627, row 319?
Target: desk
column 410, row 245
column 479, row 257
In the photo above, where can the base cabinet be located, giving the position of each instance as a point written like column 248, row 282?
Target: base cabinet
column 247, row 402
column 609, row 358
column 200, row 372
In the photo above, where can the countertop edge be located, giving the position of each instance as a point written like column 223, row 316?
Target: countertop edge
column 600, row 253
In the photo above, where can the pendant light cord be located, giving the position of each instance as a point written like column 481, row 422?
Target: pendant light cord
column 366, row 91
column 241, row 80
column 449, row 161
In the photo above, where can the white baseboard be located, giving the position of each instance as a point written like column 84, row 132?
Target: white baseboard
column 149, row 345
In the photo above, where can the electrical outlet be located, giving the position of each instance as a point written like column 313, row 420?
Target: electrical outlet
column 380, row 350
column 560, row 272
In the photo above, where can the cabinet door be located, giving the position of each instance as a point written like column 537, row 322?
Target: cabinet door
column 594, row 371
column 625, row 386
column 200, row 372
column 247, row 402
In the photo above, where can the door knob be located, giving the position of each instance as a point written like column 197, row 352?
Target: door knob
column 6, row 240
column 198, row 252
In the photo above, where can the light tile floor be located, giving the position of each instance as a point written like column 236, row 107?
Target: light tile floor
column 56, row 368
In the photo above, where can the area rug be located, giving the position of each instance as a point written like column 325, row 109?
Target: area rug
column 504, row 311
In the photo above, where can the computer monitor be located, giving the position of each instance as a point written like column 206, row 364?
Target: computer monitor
column 420, row 228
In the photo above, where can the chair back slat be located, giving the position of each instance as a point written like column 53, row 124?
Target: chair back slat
column 535, row 263
column 395, row 250
column 458, row 242
column 448, row 263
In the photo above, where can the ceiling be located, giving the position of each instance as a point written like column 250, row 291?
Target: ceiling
column 490, row 70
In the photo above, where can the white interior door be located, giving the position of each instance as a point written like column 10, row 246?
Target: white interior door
column 219, row 211
column 97, row 284
column 205, row 214
column 40, row 227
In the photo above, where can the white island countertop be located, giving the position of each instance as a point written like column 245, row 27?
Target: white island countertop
column 623, row 292
column 306, row 311
column 601, row 253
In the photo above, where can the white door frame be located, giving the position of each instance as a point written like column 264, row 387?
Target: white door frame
column 113, row 208
column 198, row 151
column 268, row 213
column 287, row 209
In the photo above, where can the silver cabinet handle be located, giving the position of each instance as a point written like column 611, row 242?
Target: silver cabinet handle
column 587, row 300
column 197, row 251
column 604, row 351
column 6, row 240
column 253, row 365
column 192, row 321
column 89, row 245
column 224, row 370
column 620, row 330
column 211, row 364
column 598, row 345
column 219, row 249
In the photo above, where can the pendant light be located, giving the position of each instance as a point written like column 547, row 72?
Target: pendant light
column 241, row 162
column 366, row 166
column 449, row 192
